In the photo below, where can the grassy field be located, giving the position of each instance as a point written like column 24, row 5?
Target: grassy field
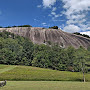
column 27, row 73
column 45, row 85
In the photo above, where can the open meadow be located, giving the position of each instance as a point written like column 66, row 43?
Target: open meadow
column 28, row 73
column 34, row 78
column 46, row 85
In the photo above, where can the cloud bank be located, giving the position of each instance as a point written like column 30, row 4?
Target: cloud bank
column 48, row 3
column 87, row 33
column 75, row 12
column 71, row 28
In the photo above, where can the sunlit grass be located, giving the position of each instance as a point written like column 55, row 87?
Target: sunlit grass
column 46, row 85
column 28, row 73
column 3, row 66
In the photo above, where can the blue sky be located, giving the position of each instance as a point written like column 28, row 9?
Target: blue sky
column 69, row 15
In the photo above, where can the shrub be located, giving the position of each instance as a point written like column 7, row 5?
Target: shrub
column 54, row 27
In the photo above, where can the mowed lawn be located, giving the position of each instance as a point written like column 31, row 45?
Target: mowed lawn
column 28, row 73
column 46, row 85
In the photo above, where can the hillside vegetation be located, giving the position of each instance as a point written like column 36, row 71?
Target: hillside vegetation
column 84, row 35
column 17, row 50
column 28, row 73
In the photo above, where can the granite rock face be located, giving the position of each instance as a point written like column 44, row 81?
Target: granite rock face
column 49, row 36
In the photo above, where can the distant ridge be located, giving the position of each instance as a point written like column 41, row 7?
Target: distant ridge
column 49, row 36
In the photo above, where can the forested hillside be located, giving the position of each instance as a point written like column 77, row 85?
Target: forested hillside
column 17, row 50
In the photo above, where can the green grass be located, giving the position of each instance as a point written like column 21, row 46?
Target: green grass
column 27, row 73
column 3, row 66
column 45, row 85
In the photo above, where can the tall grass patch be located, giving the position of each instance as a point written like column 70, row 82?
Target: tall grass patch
column 28, row 73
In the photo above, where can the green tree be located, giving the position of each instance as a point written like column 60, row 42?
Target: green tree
column 80, row 61
column 54, row 27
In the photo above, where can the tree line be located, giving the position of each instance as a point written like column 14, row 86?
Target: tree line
column 84, row 35
column 17, row 50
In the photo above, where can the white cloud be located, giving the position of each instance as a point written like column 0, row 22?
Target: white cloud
column 35, row 19
column 87, row 33
column 39, row 6
column 88, row 28
column 44, row 24
column 48, row 3
column 85, row 27
column 54, row 16
column 76, row 11
column 54, row 9
column 75, row 6
column 74, row 21
column 50, row 15
column 57, row 15
column 71, row 28
column 53, row 13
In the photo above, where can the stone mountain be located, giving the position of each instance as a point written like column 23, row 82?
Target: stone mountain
column 49, row 36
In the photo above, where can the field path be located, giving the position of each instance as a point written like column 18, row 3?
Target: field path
column 7, row 69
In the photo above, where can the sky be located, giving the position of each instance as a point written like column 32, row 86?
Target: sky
column 69, row 15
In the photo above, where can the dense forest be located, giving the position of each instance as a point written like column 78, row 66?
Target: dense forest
column 17, row 50
column 84, row 35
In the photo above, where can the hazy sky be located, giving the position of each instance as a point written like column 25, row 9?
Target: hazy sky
column 69, row 15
